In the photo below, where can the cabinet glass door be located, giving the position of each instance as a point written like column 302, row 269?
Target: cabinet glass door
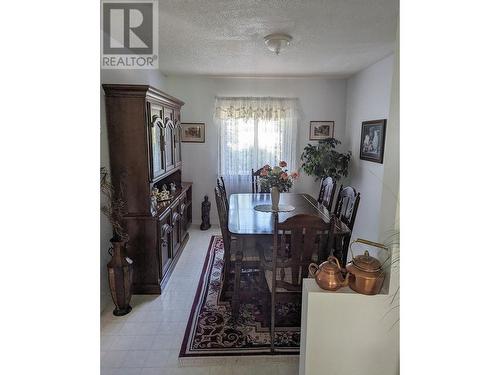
column 177, row 143
column 157, row 141
column 169, row 138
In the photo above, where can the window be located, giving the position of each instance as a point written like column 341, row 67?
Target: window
column 254, row 132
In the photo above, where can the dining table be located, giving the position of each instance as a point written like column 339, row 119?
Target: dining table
column 245, row 223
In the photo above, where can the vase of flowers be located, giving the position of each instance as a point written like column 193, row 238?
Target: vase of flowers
column 276, row 180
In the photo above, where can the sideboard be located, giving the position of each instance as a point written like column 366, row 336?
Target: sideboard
column 143, row 126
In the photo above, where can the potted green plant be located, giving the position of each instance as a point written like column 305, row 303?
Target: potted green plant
column 120, row 266
column 323, row 160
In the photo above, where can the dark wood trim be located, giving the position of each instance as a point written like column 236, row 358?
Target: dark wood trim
column 139, row 91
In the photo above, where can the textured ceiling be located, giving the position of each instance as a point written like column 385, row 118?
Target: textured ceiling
column 225, row 37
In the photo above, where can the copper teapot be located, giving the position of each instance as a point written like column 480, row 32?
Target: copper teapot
column 366, row 275
column 328, row 274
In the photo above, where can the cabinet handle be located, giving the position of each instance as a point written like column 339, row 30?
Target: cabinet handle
column 165, row 229
column 183, row 207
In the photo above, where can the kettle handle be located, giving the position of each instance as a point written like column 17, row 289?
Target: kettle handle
column 331, row 258
column 370, row 243
column 315, row 267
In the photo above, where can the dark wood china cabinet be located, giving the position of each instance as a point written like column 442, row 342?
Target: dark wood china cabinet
column 145, row 153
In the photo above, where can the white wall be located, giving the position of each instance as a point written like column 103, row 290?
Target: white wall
column 320, row 99
column 154, row 78
column 368, row 98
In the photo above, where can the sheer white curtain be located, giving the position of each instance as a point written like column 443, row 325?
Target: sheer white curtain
column 254, row 132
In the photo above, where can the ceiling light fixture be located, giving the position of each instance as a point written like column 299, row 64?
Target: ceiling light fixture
column 277, row 42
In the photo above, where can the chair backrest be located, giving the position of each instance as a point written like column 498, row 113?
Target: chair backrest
column 346, row 206
column 222, row 187
column 222, row 183
column 298, row 238
column 222, row 210
column 255, row 180
column 327, row 192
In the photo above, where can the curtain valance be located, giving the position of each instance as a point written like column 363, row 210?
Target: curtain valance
column 264, row 108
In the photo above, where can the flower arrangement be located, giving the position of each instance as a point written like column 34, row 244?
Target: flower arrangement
column 277, row 177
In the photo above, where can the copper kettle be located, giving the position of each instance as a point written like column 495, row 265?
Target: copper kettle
column 365, row 272
column 328, row 274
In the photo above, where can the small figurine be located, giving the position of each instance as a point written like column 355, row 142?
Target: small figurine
column 164, row 194
column 172, row 187
column 205, row 214
column 154, row 202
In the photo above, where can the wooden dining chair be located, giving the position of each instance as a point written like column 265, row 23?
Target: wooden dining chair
column 255, row 180
column 222, row 186
column 345, row 209
column 222, row 210
column 327, row 192
column 234, row 255
column 295, row 241
column 222, row 183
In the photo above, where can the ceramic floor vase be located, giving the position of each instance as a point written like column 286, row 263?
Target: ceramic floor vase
column 275, row 198
column 120, row 278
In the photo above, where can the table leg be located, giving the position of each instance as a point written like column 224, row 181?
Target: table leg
column 235, row 302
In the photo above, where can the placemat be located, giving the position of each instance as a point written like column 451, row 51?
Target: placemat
column 268, row 208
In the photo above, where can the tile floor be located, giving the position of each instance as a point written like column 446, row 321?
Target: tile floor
column 147, row 341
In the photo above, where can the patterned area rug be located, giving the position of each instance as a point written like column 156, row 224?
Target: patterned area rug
column 212, row 329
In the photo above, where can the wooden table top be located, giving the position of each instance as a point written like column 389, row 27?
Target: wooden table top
column 245, row 220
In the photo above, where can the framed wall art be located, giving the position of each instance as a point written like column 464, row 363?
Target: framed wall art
column 372, row 141
column 193, row 132
column 321, row 130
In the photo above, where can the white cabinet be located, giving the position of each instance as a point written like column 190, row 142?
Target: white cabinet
column 345, row 333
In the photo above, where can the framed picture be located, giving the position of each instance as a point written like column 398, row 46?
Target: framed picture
column 193, row 132
column 372, row 141
column 320, row 130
